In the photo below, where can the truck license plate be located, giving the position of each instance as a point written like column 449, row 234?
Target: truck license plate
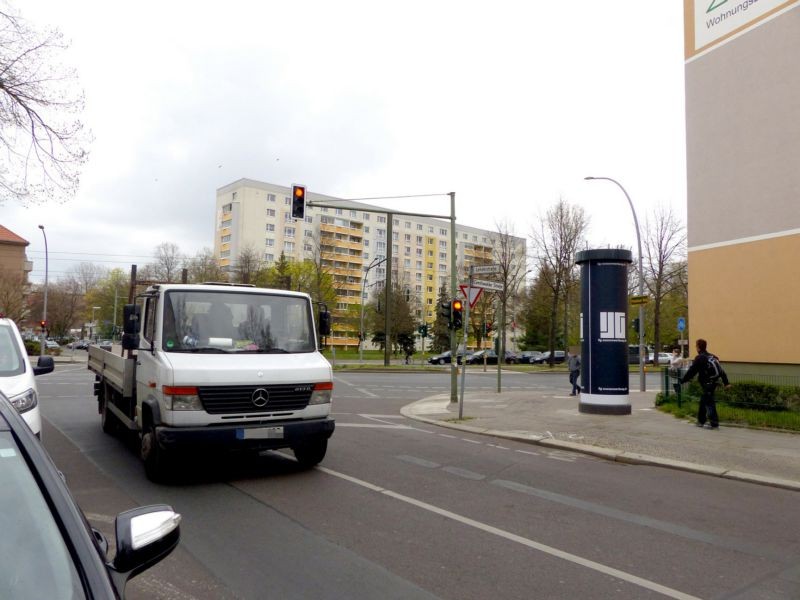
column 261, row 433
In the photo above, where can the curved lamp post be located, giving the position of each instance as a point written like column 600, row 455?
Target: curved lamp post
column 44, row 310
column 642, row 384
column 375, row 262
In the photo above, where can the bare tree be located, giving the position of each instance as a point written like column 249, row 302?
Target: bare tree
column 664, row 245
column 13, row 286
column 43, row 141
column 508, row 252
column 169, row 262
column 86, row 275
column 248, row 266
column 554, row 244
column 203, row 266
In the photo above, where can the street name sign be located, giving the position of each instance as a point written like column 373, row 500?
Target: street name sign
column 495, row 286
column 484, row 269
column 640, row 300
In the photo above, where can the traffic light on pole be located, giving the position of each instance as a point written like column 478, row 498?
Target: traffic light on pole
column 43, row 324
column 298, row 201
column 457, row 318
column 635, row 325
column 444, row 312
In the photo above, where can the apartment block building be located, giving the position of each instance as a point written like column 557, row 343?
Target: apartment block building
column 347, row 239
column 743, row 181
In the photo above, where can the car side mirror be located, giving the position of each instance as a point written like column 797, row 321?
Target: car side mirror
column 44, row 365
column 145, row 536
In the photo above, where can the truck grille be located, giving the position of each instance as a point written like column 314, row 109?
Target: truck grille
column 231, row 399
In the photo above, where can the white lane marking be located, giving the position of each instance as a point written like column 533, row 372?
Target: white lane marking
column 375, row 418
column 373, row 425
column 447, row 435
column 368, row 416
column 97, row 518
column 498, row 447
column 366, row 393
column 344, row 381
column 471, row 441
column 567, row 556
column 528, row 452
column 419, row 461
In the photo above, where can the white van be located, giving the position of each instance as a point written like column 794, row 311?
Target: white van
column 16, row 374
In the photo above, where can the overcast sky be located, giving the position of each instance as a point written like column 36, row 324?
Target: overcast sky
column 508, row 104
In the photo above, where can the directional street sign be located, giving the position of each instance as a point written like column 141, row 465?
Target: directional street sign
column 471, row 294
column 640, row 300
column 495, row 286
column 484, row 269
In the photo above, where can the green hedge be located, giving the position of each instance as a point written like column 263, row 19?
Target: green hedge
column 753, row 394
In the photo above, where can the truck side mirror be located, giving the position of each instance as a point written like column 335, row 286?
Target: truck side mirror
column 130, row 318
column 324, row 322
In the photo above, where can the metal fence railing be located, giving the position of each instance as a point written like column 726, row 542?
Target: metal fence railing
column 782, row 385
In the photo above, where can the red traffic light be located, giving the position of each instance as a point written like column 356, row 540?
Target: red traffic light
column 298, row 201
column 43, row 324
column 458, row 305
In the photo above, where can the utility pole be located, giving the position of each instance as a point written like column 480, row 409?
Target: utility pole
column 387, row 309
column 453, row 287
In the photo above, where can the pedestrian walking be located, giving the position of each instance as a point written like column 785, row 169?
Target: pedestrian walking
column 574, row 365
column 709, row 373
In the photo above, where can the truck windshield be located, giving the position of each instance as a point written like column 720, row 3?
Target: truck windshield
column 236, row 322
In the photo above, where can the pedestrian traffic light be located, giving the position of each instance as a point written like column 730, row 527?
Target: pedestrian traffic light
column 635, row 325
column 298, row 201
column 457, row 315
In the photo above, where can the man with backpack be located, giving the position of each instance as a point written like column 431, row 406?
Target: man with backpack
column 706, row 366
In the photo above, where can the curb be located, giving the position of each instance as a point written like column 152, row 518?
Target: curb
column 620, row 456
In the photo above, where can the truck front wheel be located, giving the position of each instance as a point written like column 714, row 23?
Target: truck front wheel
column 311, row 453
column 155, row 458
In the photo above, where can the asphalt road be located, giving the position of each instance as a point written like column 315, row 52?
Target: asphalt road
column 400, row 509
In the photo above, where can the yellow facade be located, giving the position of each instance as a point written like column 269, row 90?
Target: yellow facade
column 744, row 300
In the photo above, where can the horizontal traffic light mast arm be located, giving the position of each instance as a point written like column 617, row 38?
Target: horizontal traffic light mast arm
column 382, row 211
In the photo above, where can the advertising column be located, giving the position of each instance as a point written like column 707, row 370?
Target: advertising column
column 604, row 340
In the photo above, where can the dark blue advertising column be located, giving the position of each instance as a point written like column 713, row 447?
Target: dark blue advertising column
column 604, row 331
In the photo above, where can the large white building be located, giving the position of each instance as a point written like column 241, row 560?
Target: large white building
column 257, row 215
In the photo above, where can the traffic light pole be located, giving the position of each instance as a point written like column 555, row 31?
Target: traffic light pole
column 464, row 366
column 453, row 285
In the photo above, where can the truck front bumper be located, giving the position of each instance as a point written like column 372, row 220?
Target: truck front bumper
column 245, row 436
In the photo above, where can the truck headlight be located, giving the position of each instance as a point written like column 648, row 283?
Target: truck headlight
column 322, row 394
column 25, row 401
column 181, row 398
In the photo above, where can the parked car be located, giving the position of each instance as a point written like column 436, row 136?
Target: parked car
column 105, row 345
column 529, row 357
column 559, row 357
column 663, row 358
column 51, row 345
column 79, row 345
column 17, row 375
column 56, row 553
column 477, row 358
column 444, row 359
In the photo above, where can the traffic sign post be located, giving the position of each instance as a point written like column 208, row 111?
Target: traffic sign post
column 682, row 328
column 639, row 300
column 471, row 293
column 495, row 286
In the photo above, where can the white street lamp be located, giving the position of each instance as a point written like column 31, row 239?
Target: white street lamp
column 44, row 309
column 92, row 326
column 642, row 355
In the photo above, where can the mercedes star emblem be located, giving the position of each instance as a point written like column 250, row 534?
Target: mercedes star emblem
column 260, row 397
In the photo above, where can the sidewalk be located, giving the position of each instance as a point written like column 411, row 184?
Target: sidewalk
column 646, row 436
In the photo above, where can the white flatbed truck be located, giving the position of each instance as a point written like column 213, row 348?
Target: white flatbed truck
column 217, row 367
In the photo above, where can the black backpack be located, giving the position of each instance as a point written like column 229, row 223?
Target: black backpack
column 713, row 370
